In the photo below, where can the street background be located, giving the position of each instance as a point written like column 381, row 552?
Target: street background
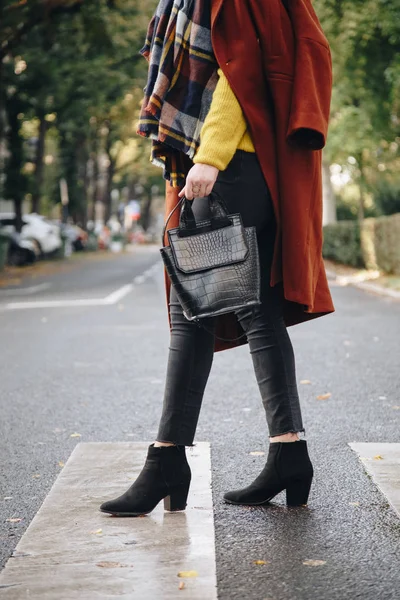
column 99, row 372
column 81, row 210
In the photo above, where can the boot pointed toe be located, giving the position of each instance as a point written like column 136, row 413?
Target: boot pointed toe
column 230, row 497
column 108, row 507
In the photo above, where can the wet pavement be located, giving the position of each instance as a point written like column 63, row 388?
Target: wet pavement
column 96, row 374
column 72, row 551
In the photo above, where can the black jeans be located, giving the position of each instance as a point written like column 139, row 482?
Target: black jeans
column 243, row 187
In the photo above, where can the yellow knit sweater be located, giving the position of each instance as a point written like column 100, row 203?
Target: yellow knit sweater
column 224, row 130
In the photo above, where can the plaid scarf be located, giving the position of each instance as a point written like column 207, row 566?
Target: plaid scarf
column 181, row 80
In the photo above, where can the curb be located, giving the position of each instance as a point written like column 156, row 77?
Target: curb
column 363, row 285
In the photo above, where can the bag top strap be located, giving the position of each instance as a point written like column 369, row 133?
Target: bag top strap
column 168, row 219
column 218, row 212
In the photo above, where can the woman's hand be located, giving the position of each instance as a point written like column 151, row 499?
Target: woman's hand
column 200, row 181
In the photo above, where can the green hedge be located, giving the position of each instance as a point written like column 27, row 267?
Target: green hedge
column 375, row 246
column 380, row 243
column 342, row 243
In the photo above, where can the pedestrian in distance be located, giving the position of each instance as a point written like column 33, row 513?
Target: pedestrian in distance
column 237, row 103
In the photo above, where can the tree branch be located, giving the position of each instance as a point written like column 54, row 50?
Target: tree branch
column 51, row 6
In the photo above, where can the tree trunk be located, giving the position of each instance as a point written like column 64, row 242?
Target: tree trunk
column 3, row 143
column 92, row 169
column 107, row 201
column 15, row 180
column 329, row 200
column 39, row 164
column 107, row 195
column 361, row 186
column 146, row 211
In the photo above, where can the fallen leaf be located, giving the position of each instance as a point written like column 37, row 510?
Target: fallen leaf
column 314, row 563
column 354, row 503
column 181, row 585
column 324, row 396
column 187, row 574
column 36, row 476
column 378, row 457
column 257, row 453
column 97, row 532
column 305, row 382
column 396, row 407
column 13, row 520
column 110, row 565
column 61, row 463
column 260, row 562
column 75, row 435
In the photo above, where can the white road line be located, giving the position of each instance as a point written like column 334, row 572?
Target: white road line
column 25, row 291
column 382, row 462
column 118, row 294
column 139, row 279
column 55, row 303
column 112, row 298
column 109, row 300
column 72, row 551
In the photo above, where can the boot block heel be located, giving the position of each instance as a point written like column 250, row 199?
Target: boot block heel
column 297, row 492
column 176, row 499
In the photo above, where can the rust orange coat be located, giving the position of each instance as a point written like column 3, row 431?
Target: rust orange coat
column 278, row 64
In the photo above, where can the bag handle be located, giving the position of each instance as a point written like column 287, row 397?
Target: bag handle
column 218, row 210
column 181, row 201
column 218, row 213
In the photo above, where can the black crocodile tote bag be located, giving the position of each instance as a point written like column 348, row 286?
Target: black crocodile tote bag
column 213, row 264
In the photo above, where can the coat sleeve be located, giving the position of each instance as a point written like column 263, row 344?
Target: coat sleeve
column 311, row 66
column 312, row 86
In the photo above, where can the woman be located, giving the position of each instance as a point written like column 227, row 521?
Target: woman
column 237, row 101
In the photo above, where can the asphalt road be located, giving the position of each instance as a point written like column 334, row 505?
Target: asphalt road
column 99, row 371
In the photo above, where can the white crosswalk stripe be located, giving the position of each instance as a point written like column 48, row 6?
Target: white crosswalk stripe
column 72, row 551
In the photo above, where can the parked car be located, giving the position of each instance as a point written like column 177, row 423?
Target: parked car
column 20, row 252
column 45, row 235
column 76, row 236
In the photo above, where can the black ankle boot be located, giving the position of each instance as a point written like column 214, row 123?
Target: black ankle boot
column 166, row 474
column 288, row 468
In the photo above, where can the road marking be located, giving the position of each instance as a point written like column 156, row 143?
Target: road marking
column 55, row 304
column 118, row 294
column 139, row 279
column 382, row 462
column 26, row 291
column 109, row 300
column 72, row 551
column 112, row 298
